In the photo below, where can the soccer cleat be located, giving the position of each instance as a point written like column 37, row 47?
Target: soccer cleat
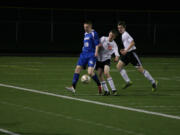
column 100, row 89
column 71, row 89
column 106, row 93
column 127, row 85
column 154, row 86
column 114, row 93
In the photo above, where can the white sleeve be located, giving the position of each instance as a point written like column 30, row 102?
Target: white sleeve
column 116, row 51
column 102, row 40
column 129, row 38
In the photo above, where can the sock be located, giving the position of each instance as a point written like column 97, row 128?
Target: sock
column 111, row 83
column 103, row 83
column 95, row 78
column 75, row 80
column 148, row 76
column 124, row 75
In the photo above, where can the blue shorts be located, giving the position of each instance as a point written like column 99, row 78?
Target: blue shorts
column 85, row 59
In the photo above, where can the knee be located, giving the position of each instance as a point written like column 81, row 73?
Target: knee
column 90, row 73
column 78, row 69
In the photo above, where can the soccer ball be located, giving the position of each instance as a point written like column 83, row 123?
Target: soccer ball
column 85, row 79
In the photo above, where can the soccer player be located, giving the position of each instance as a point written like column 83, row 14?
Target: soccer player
column 87, row 57
column 129, row 56
column 107, row 48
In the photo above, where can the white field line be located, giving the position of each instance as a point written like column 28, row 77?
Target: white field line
column 161, row 106
column 71, row 118
column 7, row 132
column 93, row 102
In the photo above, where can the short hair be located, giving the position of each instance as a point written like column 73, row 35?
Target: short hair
column 122, row 23
column 88, row 22
column 114, row 32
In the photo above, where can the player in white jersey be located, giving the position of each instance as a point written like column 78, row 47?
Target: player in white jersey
column 129, row 56
column 107, row 48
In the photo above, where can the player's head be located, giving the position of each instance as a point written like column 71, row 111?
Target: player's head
column 112, row 35
column 121, row 26
column 87, row 26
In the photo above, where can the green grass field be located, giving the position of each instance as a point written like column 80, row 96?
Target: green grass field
column 29, row 113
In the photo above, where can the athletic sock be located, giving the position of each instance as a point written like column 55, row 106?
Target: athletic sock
column 95, row 78
column 148, row 76
column 75, row 80
column 104, row 85
column 124, row 75
column 111, row 83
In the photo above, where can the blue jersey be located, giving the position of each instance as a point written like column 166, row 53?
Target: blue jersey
column 91, row 40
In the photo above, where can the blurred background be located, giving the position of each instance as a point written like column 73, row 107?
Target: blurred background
column 31, row 28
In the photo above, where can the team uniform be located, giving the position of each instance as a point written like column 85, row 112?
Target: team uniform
column 104, row 58
column 105, row 51
column 130, row 56
column 87, row 57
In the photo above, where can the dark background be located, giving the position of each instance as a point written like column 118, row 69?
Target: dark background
column 48, row 28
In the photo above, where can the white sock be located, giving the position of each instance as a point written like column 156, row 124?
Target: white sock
column 111, row 83
column 148, row 76
column 104, row 85
column 124, row 75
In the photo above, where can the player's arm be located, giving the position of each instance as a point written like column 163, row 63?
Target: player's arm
column 97, row 50
column 116, row 59
column 132, row 43
column 130, row 46
column 116, row 53
column 97, row 44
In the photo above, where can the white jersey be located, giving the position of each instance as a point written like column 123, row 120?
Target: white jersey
column 107, row 49
column 127, row 39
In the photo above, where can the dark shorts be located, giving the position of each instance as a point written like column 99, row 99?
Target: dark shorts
column 131, row 57
column 101, row 65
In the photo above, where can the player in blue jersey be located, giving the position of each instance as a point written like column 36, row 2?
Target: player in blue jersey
column 87, row 57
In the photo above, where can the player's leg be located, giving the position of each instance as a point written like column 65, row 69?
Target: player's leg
column 91, row 66
column 109, row 79
column 75, row 79
column 123, row 72
column 137, row 63
column 93, row 75
column 81, row 62
column 148, row 76
column 100, row 74
column 102, row 81
column 76, row 75
column 95, row 78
